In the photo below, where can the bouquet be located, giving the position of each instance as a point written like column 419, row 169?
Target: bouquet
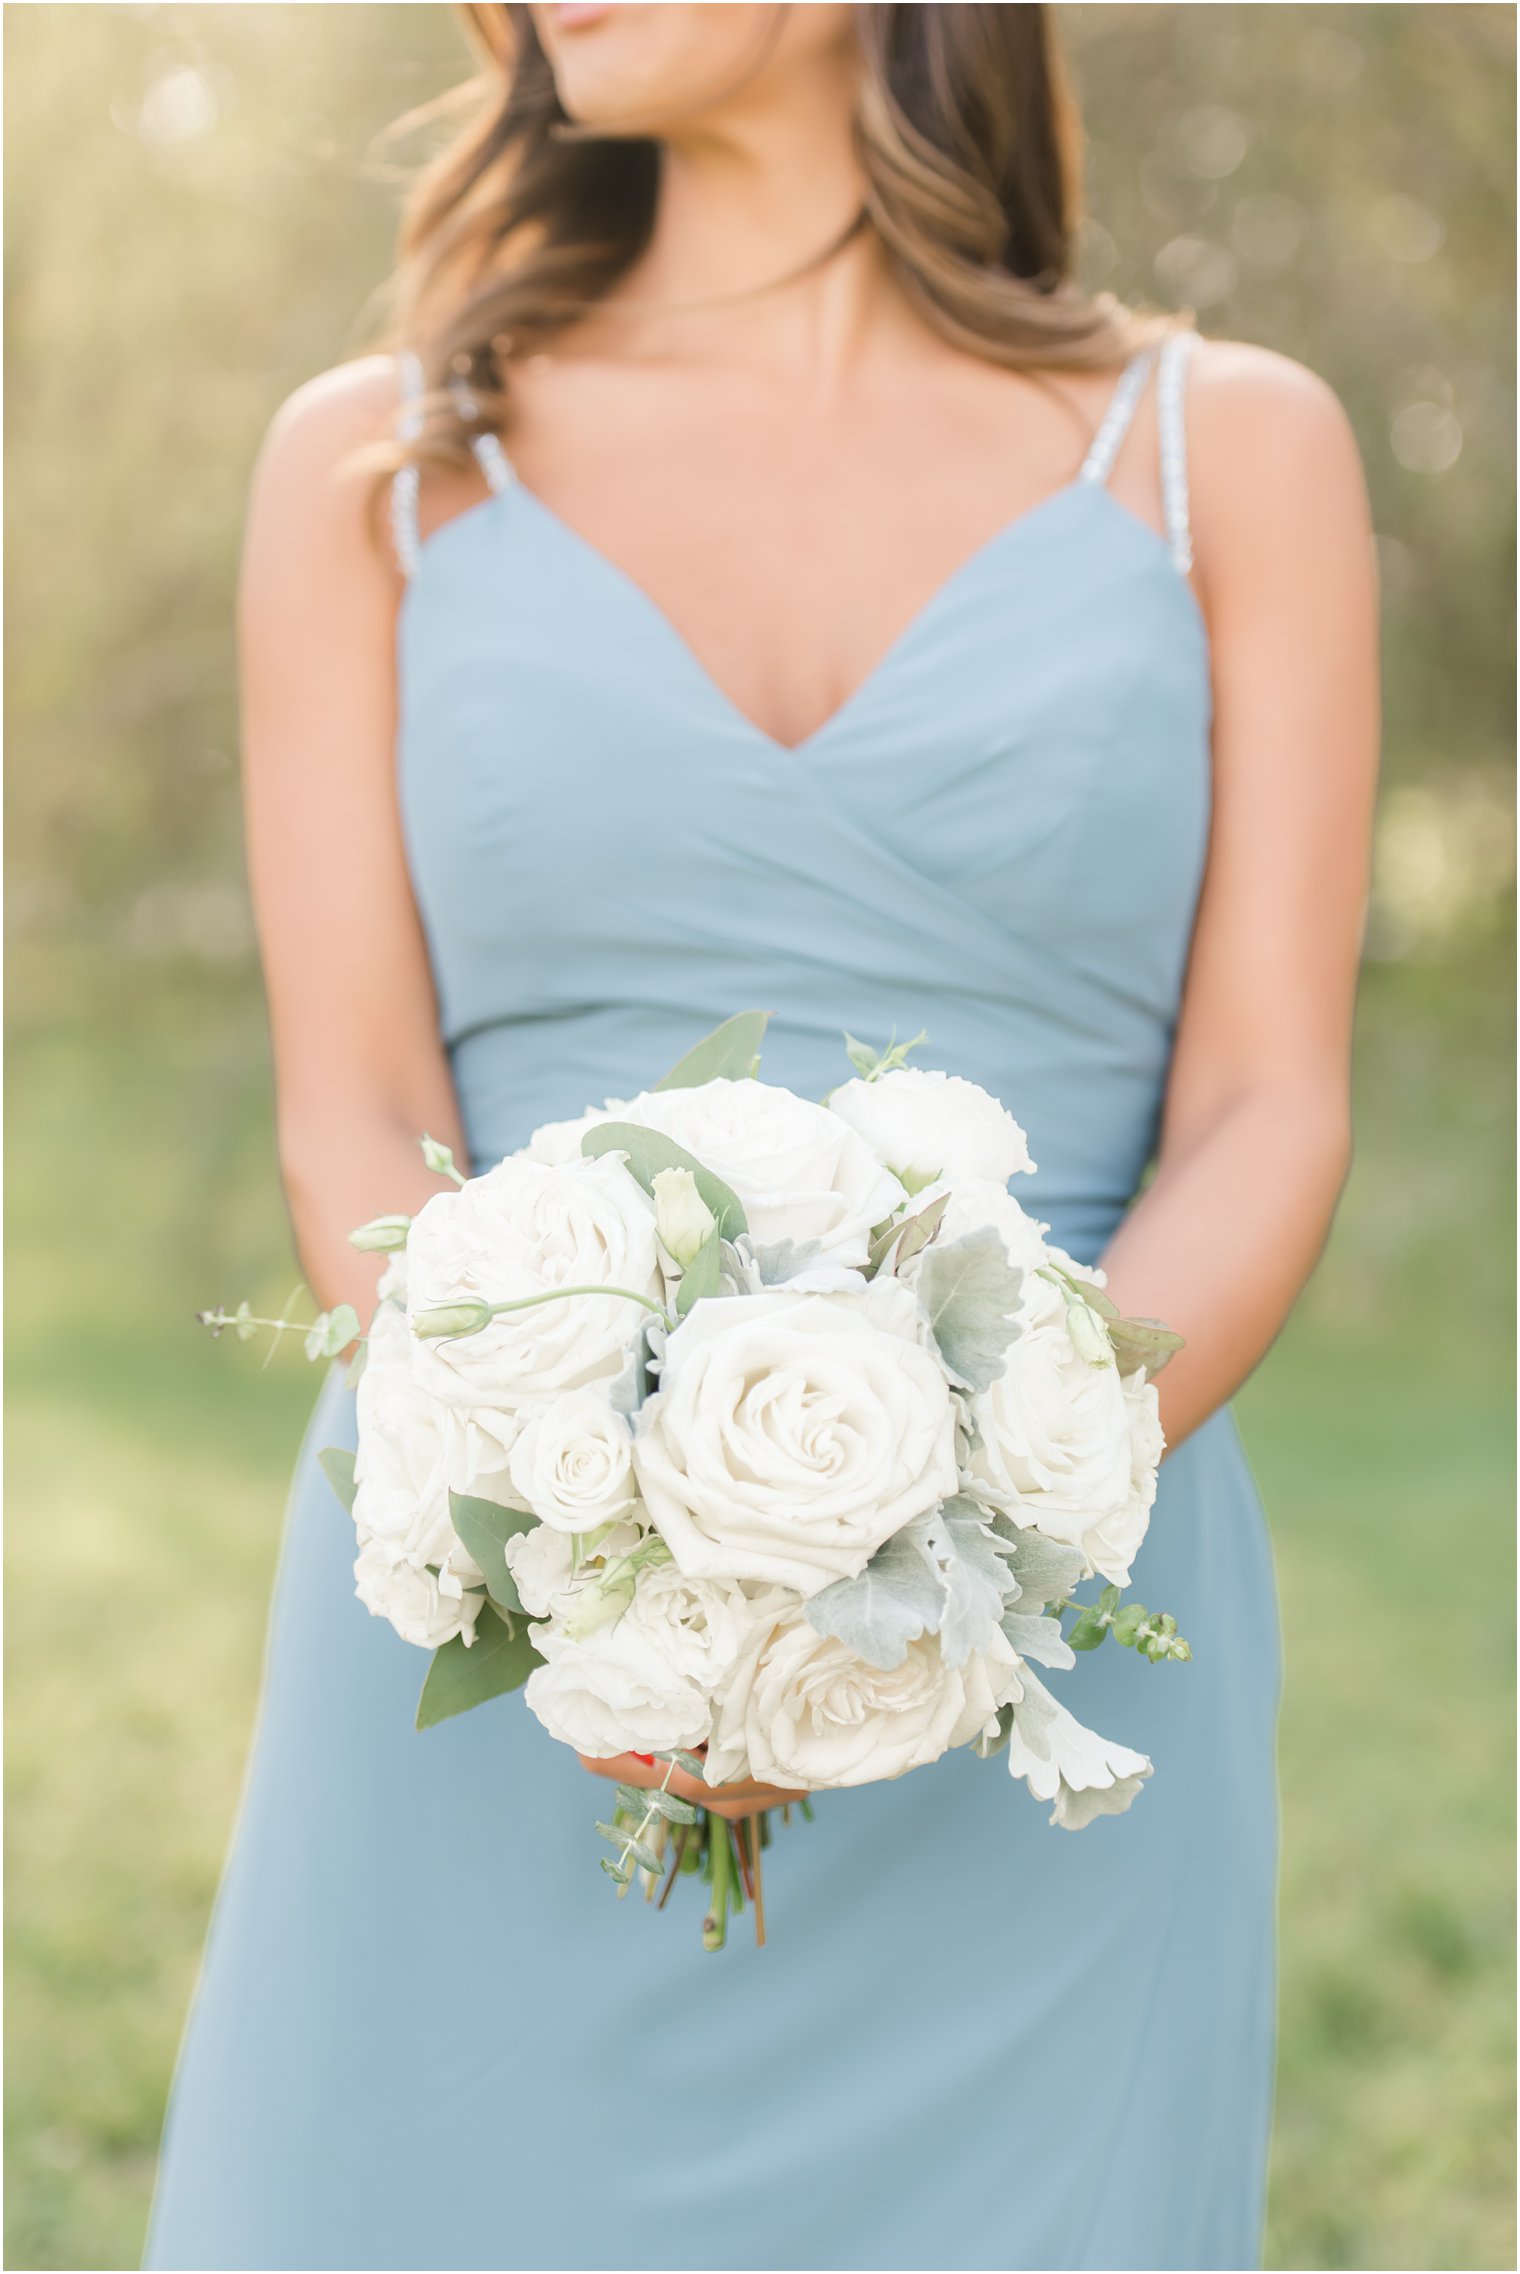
column 762, row 1438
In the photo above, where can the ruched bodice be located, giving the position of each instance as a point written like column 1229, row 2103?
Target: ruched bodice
column 426, row 2034
column 998, row 838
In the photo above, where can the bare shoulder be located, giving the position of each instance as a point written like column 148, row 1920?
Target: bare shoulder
column 333, row 415
column 1269, row 445
column 1253, row 412
column 316, row 461
column 314, row 485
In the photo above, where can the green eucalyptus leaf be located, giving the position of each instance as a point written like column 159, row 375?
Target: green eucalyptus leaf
column 692, row 1763
column 1090, row 1630
column 899, row 1596
column 614, row 1871
column 499, row 1659
column 338, row 1467
column 1143, row 1342
column 731, row 1052
column 971, row 1293
column 1127, row 1622
column 703, row 1276
column 639, row 1850
column 648, row 1152
column 484, row 1527
column 671, row 1806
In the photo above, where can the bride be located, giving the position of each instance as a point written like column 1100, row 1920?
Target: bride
column 761, row 575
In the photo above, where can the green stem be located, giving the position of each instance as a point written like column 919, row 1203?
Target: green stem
column 715, row 1925
column 557, row 1294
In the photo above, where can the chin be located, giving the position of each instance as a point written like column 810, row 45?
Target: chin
column 645, row 69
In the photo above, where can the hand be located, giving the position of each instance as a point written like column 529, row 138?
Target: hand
column 735, row 1801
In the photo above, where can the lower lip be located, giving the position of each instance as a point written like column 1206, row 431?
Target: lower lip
column 579, row 15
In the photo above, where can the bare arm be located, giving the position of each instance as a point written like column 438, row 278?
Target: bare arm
column 360, row 1072
column 1255, row 1139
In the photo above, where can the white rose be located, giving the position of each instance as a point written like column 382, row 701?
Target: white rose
column 573, row 1463
column 423, row 1608
column 545, row 1563
column 1061, row 1760
column 791, row 1434
column 647, row 1682
column 1056, row 1449
column 929, row 1126
column 413, row 1450
column 557, row 1142
column 801, row 1709
column 798, row 1171
column 526, row 1228
column 1115, row 1540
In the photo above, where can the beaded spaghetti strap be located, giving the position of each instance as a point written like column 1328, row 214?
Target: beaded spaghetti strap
column 1171, row 432
column 407, row 480
column 1115, row 423
column 406, row 484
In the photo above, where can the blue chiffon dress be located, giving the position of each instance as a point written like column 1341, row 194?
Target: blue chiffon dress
column 426, row 2033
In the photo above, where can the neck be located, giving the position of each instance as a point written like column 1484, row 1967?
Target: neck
column 747, row 257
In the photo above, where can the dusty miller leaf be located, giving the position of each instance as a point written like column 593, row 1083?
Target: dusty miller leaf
column 971, row 1293
column 777, row 1261
column 975, row 1577
column 1046, row 1570
column 1039, row 1639
column 898, row 1597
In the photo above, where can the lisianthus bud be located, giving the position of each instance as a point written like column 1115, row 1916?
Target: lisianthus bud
column 1089, row 1336
column 682, row 1217
column 449, row 1319
column 381, row 1234
column 439, row 1158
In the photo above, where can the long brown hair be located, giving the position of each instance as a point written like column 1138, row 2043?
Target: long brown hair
column 970, row 147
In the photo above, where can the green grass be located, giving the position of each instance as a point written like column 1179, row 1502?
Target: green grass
column 147, row 1469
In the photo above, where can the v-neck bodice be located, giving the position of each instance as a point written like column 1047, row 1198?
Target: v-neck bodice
column 998, row 836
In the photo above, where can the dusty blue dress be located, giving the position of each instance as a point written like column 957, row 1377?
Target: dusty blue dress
column 426, row 2033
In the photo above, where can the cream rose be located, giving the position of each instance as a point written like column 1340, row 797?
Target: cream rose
column 1055, row 1445
column 647, row 1682
column 799, row 1172
column 1063, row 1761
column 929, row 1126
column 546, row 1564
column 801, row 1709
column 526, row 1228
column 424, row 1608
column 557, row 1142
column 791, row 1434
column 572, row 1464
column 413, row 1450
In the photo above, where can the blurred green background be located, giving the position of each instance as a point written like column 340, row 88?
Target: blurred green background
column 196, row 219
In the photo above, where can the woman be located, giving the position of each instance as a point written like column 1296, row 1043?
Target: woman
column 800, row 595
